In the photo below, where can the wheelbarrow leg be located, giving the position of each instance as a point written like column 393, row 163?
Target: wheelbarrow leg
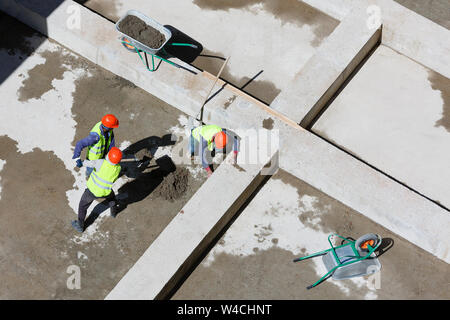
column 326, row 276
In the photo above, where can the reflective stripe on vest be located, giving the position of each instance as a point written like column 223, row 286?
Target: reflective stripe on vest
column 207, row 132
column 97, row 150
column 101, row 182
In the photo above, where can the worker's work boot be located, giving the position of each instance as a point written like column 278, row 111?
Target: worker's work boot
column 114, row 210
column 76, row 226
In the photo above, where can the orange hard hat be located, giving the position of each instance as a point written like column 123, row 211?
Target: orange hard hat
column 220, row 139
column 115, row 155
column 110, row 121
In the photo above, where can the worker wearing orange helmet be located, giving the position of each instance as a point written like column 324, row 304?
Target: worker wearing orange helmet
column 105, row 172
column 99, row 141
column 211, row 138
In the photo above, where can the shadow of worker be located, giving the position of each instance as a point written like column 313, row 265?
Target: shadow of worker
column 137, row 157
column 141, row 187
column 140, row 153
column 137, row 189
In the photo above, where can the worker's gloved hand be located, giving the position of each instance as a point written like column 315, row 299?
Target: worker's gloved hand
column 235, row 154
column 209, row 171
column 78, row 162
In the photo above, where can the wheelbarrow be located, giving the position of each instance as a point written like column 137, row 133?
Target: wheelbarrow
column 350, row 259
column 173, row 39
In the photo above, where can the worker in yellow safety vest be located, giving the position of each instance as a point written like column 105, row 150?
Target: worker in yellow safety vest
column 105, row 173
column 209, row 139
column 99, row 141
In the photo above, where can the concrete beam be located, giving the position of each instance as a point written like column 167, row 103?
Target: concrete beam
column 416, row 37
column 191, row 232
column 302, row 154
column 323, row 75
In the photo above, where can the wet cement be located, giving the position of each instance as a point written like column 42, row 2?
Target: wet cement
column 408, row 272
column 38, row 243
column 34, row 229
column 142, row 32
column 441, row 83
column 15, row 36
column 435, row 10
column 288, row 11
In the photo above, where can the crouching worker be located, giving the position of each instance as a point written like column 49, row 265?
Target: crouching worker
column 212, row 139
column 105, row 173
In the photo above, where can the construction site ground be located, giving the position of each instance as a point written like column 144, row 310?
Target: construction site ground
column 51, row 101
column 52, row 97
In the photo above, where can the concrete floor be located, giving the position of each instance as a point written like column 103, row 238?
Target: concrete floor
column 394, row 114
column 287, row 36
column 435, row 10
column 51, row 100
column 288, row 219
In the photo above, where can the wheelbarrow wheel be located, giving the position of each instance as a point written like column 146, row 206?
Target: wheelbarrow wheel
column 362, row 243
column 127, row 45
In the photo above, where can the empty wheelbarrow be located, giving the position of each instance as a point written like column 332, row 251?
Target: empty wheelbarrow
column 351, row 259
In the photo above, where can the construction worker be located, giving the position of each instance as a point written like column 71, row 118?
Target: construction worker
column 211, row 138
column 99, row 141
column 105, row 173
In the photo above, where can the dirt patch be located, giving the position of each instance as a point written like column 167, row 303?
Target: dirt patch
column 174, row 185
column 34, row 229
column 40, row 77
column 292, row 11
column 139, row 30
column 268, row 124
column 239, row 168
column 229, row 102
column 441, row 83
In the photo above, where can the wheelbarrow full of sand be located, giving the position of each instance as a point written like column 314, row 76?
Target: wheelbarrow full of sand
column 350, row 259
column 147, row 37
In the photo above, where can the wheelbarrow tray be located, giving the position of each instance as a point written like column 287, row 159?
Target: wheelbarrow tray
column 150, row 22
column 346, row 254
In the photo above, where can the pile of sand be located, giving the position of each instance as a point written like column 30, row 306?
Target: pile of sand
column 174, row 184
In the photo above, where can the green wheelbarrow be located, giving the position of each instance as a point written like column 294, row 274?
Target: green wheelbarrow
column 165, row 51
column 350, row 259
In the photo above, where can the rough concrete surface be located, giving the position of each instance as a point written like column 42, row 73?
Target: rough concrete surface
column 51, row 101
column 394, row 115
column 265, row 55
column 288, row 219
column 435, row 10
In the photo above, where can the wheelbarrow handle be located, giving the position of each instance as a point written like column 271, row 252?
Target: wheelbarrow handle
column 183, row 45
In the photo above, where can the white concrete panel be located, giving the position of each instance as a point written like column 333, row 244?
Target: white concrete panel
column 388, row 115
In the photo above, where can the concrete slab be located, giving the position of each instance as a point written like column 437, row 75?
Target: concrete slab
column 435, row 10
column 302, row 154
column 50, row 102
column 393, row 115
column 329, row 68
column 288, row 219
column 287, row 35
column 190, row 233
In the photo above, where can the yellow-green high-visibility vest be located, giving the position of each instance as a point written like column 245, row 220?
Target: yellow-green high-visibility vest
column 100, row 183
column 207, row 132
column 97, row 150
